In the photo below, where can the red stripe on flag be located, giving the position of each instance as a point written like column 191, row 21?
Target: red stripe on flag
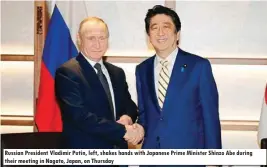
column 48, row 116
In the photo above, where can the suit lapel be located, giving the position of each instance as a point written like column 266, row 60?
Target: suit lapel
column 88, row 72
column 177, row 77
column 151, row 83
column 115, row 89
column 91, row 77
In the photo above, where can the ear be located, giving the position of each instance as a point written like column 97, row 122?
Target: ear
column 178, row 36
column 78, row 39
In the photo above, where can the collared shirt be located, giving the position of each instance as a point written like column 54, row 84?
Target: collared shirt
column 105, row 72
column 157, row 66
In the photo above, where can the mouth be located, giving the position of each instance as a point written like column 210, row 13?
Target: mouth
column 161, row 40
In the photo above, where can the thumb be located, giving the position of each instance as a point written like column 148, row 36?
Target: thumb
column 119, row 121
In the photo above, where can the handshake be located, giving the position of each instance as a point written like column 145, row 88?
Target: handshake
column 134, row 132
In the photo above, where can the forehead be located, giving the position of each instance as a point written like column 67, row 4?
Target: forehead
column 161, row 19
column 94, row 28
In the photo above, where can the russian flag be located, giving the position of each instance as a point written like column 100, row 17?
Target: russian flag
column 262, row 130
column 58, row 49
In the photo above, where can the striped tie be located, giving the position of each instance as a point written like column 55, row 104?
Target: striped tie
column 163, row 82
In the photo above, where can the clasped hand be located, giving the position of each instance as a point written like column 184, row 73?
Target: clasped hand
column 134, row 132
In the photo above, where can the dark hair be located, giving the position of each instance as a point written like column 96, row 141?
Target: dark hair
column 159, row 9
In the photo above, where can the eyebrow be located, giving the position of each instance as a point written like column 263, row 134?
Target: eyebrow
column 153, row 24
column 167, row 23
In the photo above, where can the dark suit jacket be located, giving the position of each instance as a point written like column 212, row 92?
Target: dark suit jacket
column 190, row 116
column 88, row 121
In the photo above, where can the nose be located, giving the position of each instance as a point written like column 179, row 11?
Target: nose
column 160, row 32
column 97, row 44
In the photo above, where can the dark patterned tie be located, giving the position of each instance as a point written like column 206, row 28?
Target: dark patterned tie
column 104, row 83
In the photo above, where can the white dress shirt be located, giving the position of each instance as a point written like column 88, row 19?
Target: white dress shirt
column 105, row 72
column 157, row 66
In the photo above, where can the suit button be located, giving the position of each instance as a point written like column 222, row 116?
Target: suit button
column 158, row 138
column 161, row 119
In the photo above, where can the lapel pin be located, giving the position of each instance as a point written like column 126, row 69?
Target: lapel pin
column 183, row 68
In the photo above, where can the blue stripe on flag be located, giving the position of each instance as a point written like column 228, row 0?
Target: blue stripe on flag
column 59, row 46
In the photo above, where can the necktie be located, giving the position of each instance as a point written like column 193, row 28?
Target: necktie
column 163, row 82
column 104, row 83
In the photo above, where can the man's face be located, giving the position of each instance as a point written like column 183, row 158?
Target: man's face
column 93, row 39
column 162, row 33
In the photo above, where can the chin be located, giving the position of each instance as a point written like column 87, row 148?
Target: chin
column 98, row 57
column 161, row 48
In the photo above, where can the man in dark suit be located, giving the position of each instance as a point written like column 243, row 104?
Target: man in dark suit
column 97, row 110
column 177, row 93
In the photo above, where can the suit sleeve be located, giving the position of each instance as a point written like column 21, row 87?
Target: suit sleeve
column 72, row 104
column 141, row 114
column 210, row 105
column 130, row 108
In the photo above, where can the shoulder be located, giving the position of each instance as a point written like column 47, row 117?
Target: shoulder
column 193, row 57
column 71, row 67
column 112, row 67
column 115, row 70
column 146, row 62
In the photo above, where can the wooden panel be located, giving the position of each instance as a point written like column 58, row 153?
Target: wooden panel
column 41, row 18
column 227, row 125
column 231, row 125
column 17, row 122
column 239, row 125
column 239, row 61
column 225, row 61
column 16, row 116
column 131, row 59
column 14, row 57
